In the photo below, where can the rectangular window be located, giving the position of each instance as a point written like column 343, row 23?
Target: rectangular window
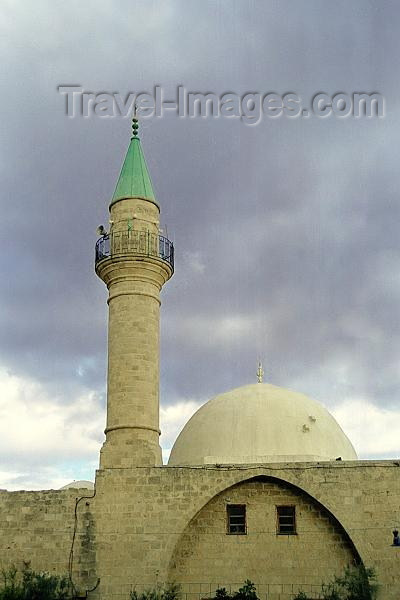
column 286, row 520
column 236, row 519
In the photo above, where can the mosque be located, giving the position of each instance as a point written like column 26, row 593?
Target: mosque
column 261, row 484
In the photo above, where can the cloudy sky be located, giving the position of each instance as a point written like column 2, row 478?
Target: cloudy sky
column 286, row 232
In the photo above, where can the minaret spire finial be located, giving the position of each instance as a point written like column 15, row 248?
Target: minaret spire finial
column 135, row 122
column 260, row 372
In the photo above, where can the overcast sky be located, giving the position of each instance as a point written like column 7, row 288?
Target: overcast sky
column 286, row 232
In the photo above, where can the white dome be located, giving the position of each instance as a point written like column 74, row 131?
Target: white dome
column 260, row 423
column 81, row 484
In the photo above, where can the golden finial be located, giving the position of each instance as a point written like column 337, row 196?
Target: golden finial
column 260, row 372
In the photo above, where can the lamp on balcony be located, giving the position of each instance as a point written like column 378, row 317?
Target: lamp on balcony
column 396, row 538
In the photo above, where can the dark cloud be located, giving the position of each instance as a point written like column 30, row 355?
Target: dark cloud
column 286, row 232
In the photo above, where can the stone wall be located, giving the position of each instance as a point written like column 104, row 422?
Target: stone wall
column 37, row 530
column 146, row 517
column 149, row 524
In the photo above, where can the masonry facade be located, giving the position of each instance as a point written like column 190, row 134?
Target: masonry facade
column 155, row 524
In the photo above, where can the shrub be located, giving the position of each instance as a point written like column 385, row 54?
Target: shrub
column 246, row 592
column 221, row 594
column 169, row 591
column 33, row 586
column 357, row 583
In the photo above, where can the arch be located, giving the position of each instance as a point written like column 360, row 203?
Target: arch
column 263, row 474
column 236, row 475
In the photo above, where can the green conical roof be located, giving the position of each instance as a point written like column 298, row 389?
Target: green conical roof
column 134, row 180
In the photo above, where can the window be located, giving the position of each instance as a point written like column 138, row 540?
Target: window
column 286, row 520
column 236, row 519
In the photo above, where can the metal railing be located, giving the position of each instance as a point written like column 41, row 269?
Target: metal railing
column 265, row 591
column 138, row 243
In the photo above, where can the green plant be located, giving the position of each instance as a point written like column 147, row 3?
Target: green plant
column 221, row 594
column 331, row 592
column 30, row 585
column 169, row 591
column 10, row 588
column 357, row 583
column 246, row 592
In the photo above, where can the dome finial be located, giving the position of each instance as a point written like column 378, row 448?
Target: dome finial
column 260, row 372
column 135, row 122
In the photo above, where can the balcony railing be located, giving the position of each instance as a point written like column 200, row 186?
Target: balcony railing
column 265, row 591
column 138, row 243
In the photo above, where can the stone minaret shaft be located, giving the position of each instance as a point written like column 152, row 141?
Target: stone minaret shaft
column 134, row 261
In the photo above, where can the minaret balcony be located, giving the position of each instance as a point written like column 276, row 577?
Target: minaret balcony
column 135, row 243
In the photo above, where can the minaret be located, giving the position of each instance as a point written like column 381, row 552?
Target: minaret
column 134, row 261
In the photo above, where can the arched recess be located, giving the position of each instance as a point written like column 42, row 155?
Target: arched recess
column 206, row 554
